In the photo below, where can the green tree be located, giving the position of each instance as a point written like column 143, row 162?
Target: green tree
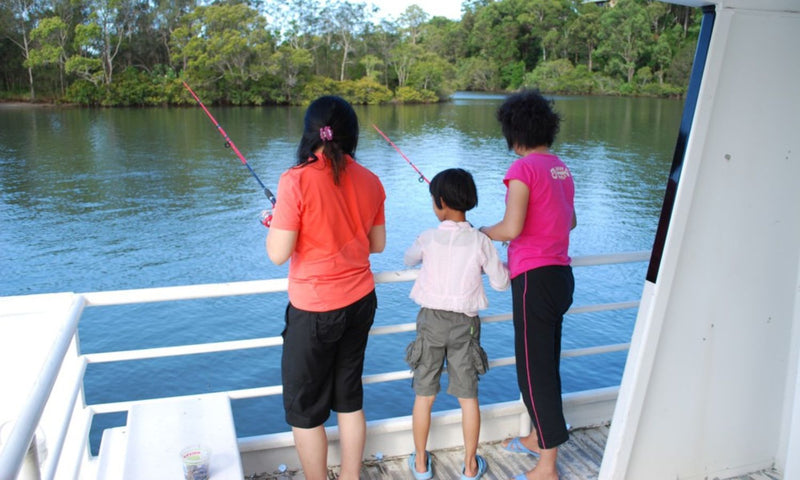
column 167, row 19
column 551, row 18
column 512, row 74
column 371, row 63
column 22, row 19
column 584, row 31
column 102, row 36
column 345, row 20
column 50, row 38
column 495, row 33
column 402, row 58
column 379, row 40
column 446, row 38
column 411, row 23
column 84, row 63
column 643, row 76
column 432, row 73
column 624, row 31
column 287, row 64
column 225, row 47
column 477, row 73
column 560, row 76
column 365, row 91
column 661, row 57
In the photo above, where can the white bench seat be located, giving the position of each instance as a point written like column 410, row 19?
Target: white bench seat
column 158, row 430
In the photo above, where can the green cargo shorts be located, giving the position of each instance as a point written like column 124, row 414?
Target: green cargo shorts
column 449, row 338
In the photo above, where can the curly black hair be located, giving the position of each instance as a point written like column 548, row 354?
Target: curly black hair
column 528, row 120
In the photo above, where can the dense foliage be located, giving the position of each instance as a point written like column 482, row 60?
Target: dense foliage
column 239, row 52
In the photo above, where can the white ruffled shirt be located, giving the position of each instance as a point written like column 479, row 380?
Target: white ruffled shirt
column 453, row 258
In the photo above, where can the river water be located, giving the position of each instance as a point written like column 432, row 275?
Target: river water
column 109, row 199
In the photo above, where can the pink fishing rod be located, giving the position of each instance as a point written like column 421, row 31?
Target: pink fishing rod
column 421, row 176
column 229, row 144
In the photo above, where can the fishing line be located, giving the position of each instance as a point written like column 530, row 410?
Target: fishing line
column 229, row 144
column 421, row 176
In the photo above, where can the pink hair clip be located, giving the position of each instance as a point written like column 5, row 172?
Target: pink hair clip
column 326, row 133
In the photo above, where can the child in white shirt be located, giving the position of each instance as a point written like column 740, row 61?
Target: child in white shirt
column 450, row 291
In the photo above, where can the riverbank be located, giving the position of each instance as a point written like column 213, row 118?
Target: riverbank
column 19, row 104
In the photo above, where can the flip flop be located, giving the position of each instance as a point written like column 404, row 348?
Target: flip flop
column 521, row 476
column 482, row 467
column 426, row 475
column 516, row 446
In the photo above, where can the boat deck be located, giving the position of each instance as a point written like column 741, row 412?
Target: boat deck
column 579, row 459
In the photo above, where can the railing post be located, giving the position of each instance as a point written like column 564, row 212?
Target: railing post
column 21, row 431
column 524, row 421
column 30, row 463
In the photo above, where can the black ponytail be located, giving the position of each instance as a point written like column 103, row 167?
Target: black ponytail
column 332, row 123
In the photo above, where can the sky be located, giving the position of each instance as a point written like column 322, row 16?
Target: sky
column 441, row 8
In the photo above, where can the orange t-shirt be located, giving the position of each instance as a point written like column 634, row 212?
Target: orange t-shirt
column 329, row 267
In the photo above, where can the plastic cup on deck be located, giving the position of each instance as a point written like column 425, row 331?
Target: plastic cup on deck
column 195, row 462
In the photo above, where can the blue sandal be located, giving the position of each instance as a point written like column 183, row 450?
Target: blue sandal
column 516, row 446
column 482, row 467
column 426, row 475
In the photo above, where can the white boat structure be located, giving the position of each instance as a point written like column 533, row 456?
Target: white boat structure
column 711, row 386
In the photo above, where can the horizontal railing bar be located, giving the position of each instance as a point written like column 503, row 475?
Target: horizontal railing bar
column 603, row 307
column 214, row 347
column 253, row 287
column 141, row 354
column 185, row 292
column 386, row 377
column 213, row 290
column 255, row 392
column 366, row 379
column 608, row 259
column 502, row 362
column 600, row 349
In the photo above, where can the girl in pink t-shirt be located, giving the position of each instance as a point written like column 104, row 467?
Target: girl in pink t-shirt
column 538, row 218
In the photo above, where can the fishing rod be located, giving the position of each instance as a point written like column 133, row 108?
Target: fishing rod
column 421, row 176
column 229, row 144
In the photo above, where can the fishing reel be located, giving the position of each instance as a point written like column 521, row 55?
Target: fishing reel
column 266, row 217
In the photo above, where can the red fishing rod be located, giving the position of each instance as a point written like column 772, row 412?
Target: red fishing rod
column 421, row 176
column 229, row 144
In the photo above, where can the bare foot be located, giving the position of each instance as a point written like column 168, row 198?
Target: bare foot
column 530, row 442
column 541, row 474
column 470, row 470
column 421, row 463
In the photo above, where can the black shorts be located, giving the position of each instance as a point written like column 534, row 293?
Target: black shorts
column 323, row 360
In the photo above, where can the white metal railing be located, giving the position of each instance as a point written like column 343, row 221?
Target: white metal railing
column 16, row 445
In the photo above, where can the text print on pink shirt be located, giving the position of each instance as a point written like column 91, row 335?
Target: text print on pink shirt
column 559, row 173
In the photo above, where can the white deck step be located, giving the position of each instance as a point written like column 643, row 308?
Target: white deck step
column 149, row 446
column 111, row 458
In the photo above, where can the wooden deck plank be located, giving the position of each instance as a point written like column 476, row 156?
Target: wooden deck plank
column 579, row 459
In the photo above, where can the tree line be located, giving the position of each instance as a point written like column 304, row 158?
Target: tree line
column 240, row 52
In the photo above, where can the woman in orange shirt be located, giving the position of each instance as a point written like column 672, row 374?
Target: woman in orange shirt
column 328, row 218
